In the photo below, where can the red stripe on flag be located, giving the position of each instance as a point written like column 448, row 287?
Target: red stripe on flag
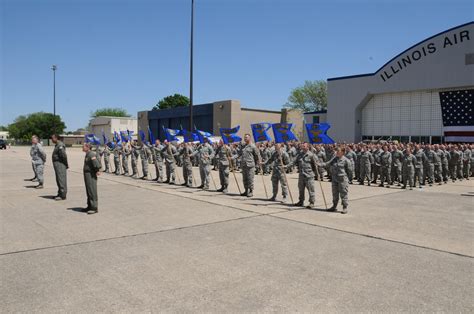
column 459, row 133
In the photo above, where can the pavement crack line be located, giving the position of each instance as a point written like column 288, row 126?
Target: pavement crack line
column 372, row 236
column 128, row 235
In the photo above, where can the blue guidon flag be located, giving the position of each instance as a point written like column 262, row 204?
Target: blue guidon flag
column 259, row 131
column 189, row 136
column 317, row 133
column 203, row 135
column 91, row 138
column 458, row 111
column 171, row 134
column 283, row 133
column 230, row 136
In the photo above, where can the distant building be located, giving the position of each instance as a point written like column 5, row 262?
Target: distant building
column 110, row 124
column 401, row 100
column 212, row 116
column 4, row 135
column 72, row 139
column 316, row 116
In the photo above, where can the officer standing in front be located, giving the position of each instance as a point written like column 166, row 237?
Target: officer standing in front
column 60, row 166
column 91, row 171
column 38, row 158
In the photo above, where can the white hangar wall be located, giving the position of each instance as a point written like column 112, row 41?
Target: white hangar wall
column 401, row 98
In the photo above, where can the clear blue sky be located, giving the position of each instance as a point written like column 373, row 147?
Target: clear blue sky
column 131, row 53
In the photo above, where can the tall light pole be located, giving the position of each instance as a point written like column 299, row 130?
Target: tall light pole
column 191, row 71
column 54, row 68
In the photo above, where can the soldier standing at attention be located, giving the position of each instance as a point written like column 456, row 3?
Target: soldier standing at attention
column 439, row 155
column 280, row 159
column 205, row 154
column 38, row 158
column 376, row 171
column 397, row 160
column 91, row 171
column 186, row 153
column 307, row 163
column 352, row 158
column 169, row 152
column 135, row 153
column 420, row 162
column 106, row 153
column 126, row 151
column 340, row 166
column 158, row 159
column 466, row 158
column 223, row 157
column 321, row 157
column 408, row 169
column 60, row 166
column 366, row 161
column 444, row 163
column 117, row 151
column 385, row 167
column 249, row 156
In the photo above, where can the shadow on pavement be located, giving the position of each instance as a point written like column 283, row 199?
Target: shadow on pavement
column 81, row 210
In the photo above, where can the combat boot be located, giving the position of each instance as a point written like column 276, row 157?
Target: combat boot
column 300, row 203
column 272, row 199
column 245, row 193
column 333, row 208
column 224, row 190
column 221, row 189
column 344, row 210
column 250, row 193
column 310, row 206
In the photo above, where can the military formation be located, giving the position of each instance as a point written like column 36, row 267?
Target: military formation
column 383, row 164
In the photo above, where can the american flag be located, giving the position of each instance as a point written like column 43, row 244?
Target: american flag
column 458, row 111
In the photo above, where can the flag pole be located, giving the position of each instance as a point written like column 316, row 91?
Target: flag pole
column 261, row 172
column 286, row 178
column 321, row 187
column 231, row 166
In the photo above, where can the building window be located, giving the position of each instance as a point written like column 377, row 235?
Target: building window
column 425, row 139
column 315, row 119
column 404, row 139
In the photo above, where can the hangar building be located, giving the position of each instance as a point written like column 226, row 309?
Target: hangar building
column 401, row 99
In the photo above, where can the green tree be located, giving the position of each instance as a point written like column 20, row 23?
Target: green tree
column 110, row 112
column 41, row 124
column 312, row 96
column 3, row 128
column 172, row 101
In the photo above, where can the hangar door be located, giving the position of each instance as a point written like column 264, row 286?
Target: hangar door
column 409, row 116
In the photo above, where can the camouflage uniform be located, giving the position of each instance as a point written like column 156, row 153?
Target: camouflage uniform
column 38, row 158
column 205, row 154
column 278, row 175
column 249, row 157
column 408, row 170
column 306, row 162
column 60, row 165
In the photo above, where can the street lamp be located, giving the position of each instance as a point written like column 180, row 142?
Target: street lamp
column 191, row 71
column 54, row 68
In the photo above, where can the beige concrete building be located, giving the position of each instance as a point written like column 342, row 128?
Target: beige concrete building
column 220, row 114
column 111, row 124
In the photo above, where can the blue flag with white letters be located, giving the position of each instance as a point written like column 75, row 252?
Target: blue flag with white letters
column 91, row 138
column 171, row 134
column 317, row 133
column 259, row 131
column 283, row 133
column 230, row 135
